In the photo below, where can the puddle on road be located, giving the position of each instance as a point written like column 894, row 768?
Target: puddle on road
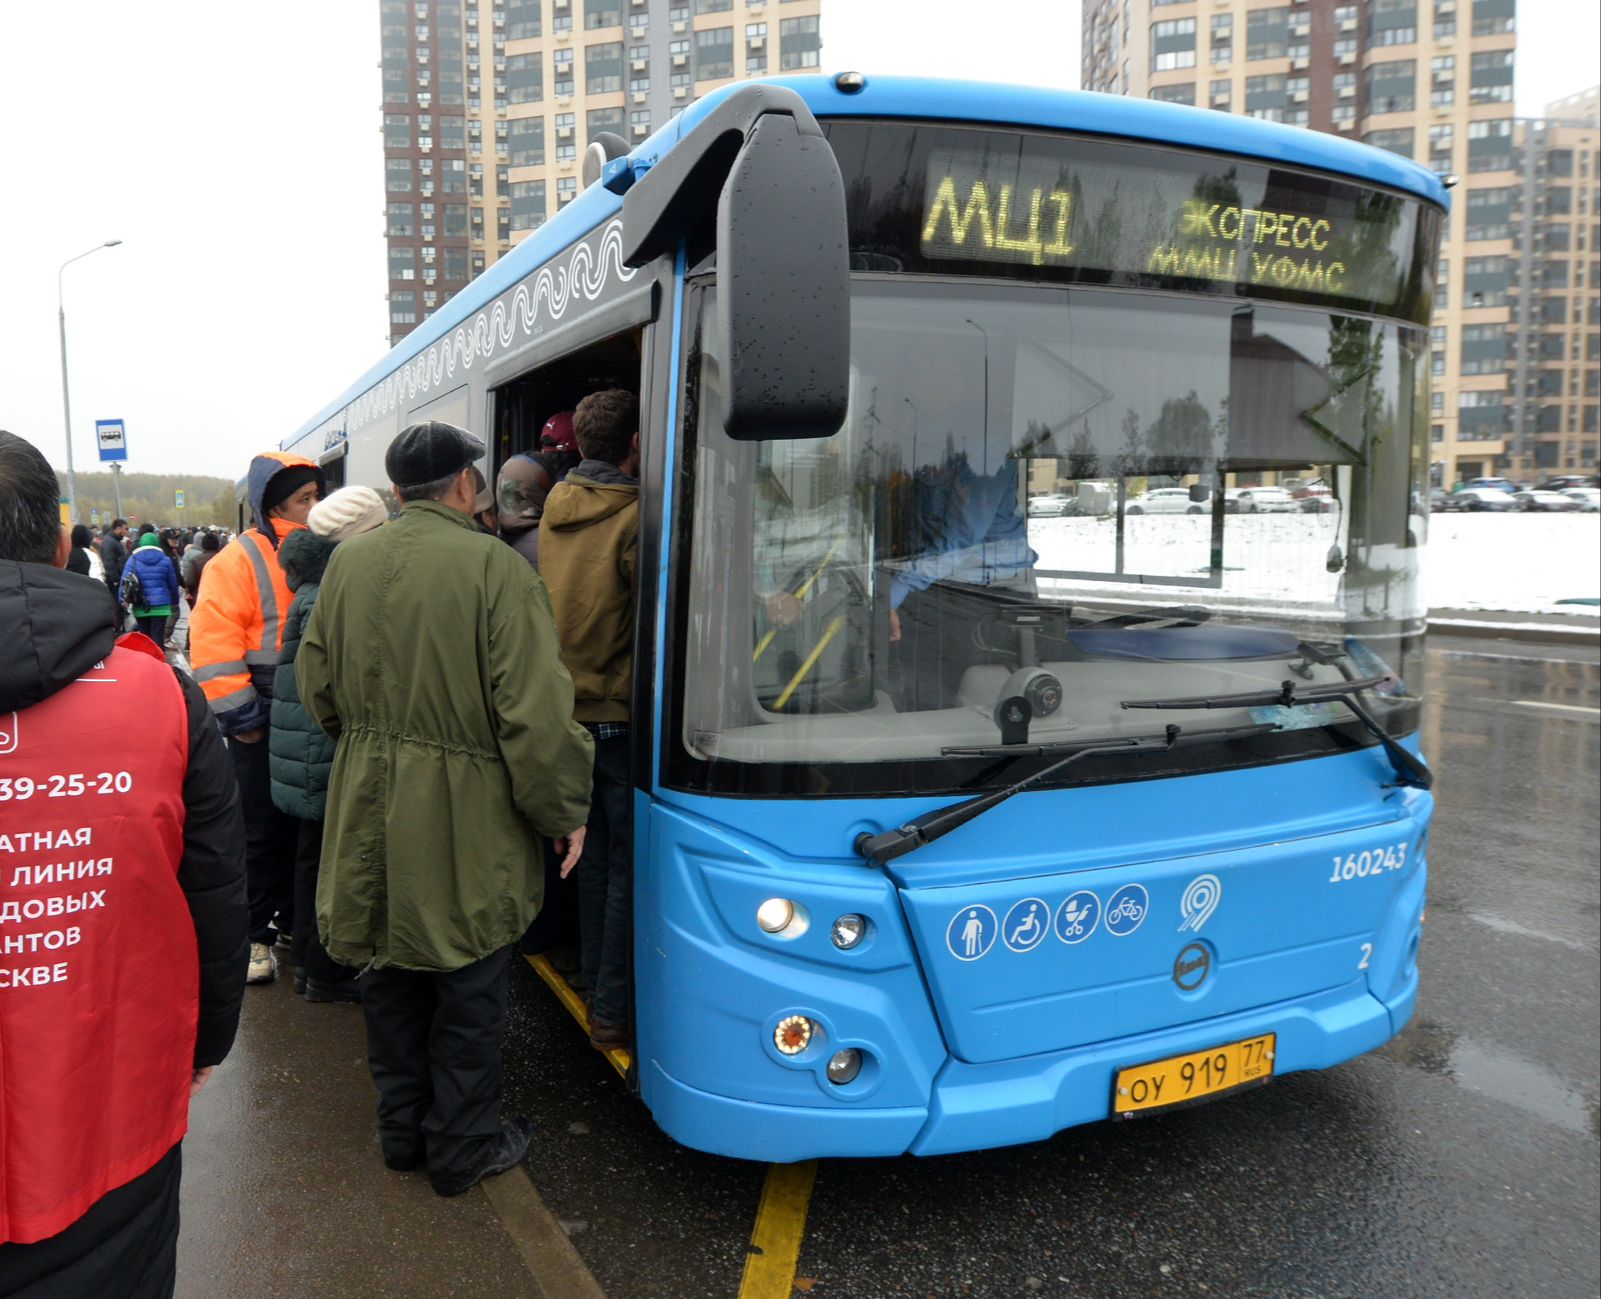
column 1496, row 1073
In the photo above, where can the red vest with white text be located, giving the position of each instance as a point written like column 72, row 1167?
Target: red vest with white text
column 99, row 970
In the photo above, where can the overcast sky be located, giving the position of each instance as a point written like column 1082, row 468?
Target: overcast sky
column 240, row 162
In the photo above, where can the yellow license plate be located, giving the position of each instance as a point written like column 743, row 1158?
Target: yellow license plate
column 1183, row 1078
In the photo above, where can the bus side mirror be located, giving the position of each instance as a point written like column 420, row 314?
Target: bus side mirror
column 1200, row 493
column 783, row 286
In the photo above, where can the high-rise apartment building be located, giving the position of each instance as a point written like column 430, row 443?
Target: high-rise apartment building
column 1430, row 79
column 489, row 105
column 1555, row 352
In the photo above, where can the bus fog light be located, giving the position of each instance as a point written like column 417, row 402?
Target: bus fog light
column 793, row 1034
column 775, row 914
column 843, row 1066
column 848, row 930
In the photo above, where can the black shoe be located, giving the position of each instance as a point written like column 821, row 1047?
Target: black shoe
column 337, row 990
column 285, row 938
column 300, row 980
column 403, row 1162
column 508, row 1150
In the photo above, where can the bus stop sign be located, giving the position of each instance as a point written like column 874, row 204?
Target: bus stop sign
column 112, row 439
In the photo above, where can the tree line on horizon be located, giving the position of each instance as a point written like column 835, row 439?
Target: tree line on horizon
column 148, row 498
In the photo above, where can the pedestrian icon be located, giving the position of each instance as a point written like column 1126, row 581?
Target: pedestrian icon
column 1077, row 918
column 971, row 933
column 1026, row 925
column 1125, row 910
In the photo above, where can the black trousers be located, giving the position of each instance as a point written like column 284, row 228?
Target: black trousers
column 606, row 886
column 306, row 949
column 124, row 1247
column 433, row 1042
column 269, row 843
column 557, row 921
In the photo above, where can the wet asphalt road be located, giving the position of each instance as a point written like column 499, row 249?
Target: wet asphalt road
column 1461, row 1160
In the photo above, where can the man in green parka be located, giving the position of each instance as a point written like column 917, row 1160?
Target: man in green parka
column 432, row 658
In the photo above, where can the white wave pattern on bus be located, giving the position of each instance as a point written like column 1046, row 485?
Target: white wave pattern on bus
column 542, row 299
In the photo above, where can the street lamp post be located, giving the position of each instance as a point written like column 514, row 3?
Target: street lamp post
column 66, row 400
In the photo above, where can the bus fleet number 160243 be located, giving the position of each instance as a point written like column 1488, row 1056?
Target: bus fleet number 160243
column 1370, row 863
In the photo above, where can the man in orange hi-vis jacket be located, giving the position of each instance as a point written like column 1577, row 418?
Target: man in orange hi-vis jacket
column 235, row 634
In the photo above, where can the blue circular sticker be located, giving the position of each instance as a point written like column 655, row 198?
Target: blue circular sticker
column 1077, row 917
column 971, row 933
column 1125, row 910
column 1026, row 925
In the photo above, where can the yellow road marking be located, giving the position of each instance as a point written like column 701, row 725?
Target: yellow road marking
column 620, row 1059
column 780, row 1225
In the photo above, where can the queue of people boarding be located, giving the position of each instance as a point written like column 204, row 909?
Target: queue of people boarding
column 399, row 739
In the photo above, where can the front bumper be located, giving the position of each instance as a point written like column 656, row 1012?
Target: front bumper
column 977, row 1107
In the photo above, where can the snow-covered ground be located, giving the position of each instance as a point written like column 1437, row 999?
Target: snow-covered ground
column 1522, row 563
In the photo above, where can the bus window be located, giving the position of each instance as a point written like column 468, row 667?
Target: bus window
column 333, row 472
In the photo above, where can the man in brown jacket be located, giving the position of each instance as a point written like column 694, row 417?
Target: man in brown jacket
column 587, row 545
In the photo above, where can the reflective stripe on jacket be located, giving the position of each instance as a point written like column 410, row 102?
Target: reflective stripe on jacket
column 236, row 629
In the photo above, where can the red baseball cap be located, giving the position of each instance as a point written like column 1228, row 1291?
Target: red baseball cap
column 557, row 435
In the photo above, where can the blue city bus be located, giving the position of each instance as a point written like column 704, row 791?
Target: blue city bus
column 1029, row 631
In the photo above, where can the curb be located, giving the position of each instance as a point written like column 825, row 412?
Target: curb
column 1519, row 631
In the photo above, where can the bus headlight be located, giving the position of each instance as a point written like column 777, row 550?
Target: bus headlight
column 793, row 1034
column 848, row 930
column 843, row 1066
column 775, row 915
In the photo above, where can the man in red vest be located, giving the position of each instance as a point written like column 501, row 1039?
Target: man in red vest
column 123, row 919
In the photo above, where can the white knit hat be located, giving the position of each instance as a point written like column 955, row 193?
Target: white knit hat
column 347, row 513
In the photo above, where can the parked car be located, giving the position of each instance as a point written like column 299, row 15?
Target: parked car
column 1440, row 501
column 1165, row 500
column 1495, row 484
column 1562, row 482
column 1265, row 500
column 1051, row 506
column 1587, row 498
column 1477, row 499
column 1544, row 502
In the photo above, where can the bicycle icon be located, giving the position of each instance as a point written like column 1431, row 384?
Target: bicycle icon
column 1125, row 910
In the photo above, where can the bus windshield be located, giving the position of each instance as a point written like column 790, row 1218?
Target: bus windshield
column 1076, row 496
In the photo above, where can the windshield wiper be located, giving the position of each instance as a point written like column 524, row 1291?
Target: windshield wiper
column 889, row 844
column 1409, row 769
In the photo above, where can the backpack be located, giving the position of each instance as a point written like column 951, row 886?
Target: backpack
column 133, row 591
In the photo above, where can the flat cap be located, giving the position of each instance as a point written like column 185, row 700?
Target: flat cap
column 423, row 453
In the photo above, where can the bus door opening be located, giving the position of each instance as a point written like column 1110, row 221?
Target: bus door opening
column 524, row 404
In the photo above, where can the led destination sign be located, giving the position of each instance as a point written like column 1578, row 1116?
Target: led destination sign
column 1051, row 207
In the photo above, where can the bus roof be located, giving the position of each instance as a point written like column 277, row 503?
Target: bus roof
column 935, row 99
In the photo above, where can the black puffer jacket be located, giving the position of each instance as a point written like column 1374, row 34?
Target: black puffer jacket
column 300, row 756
